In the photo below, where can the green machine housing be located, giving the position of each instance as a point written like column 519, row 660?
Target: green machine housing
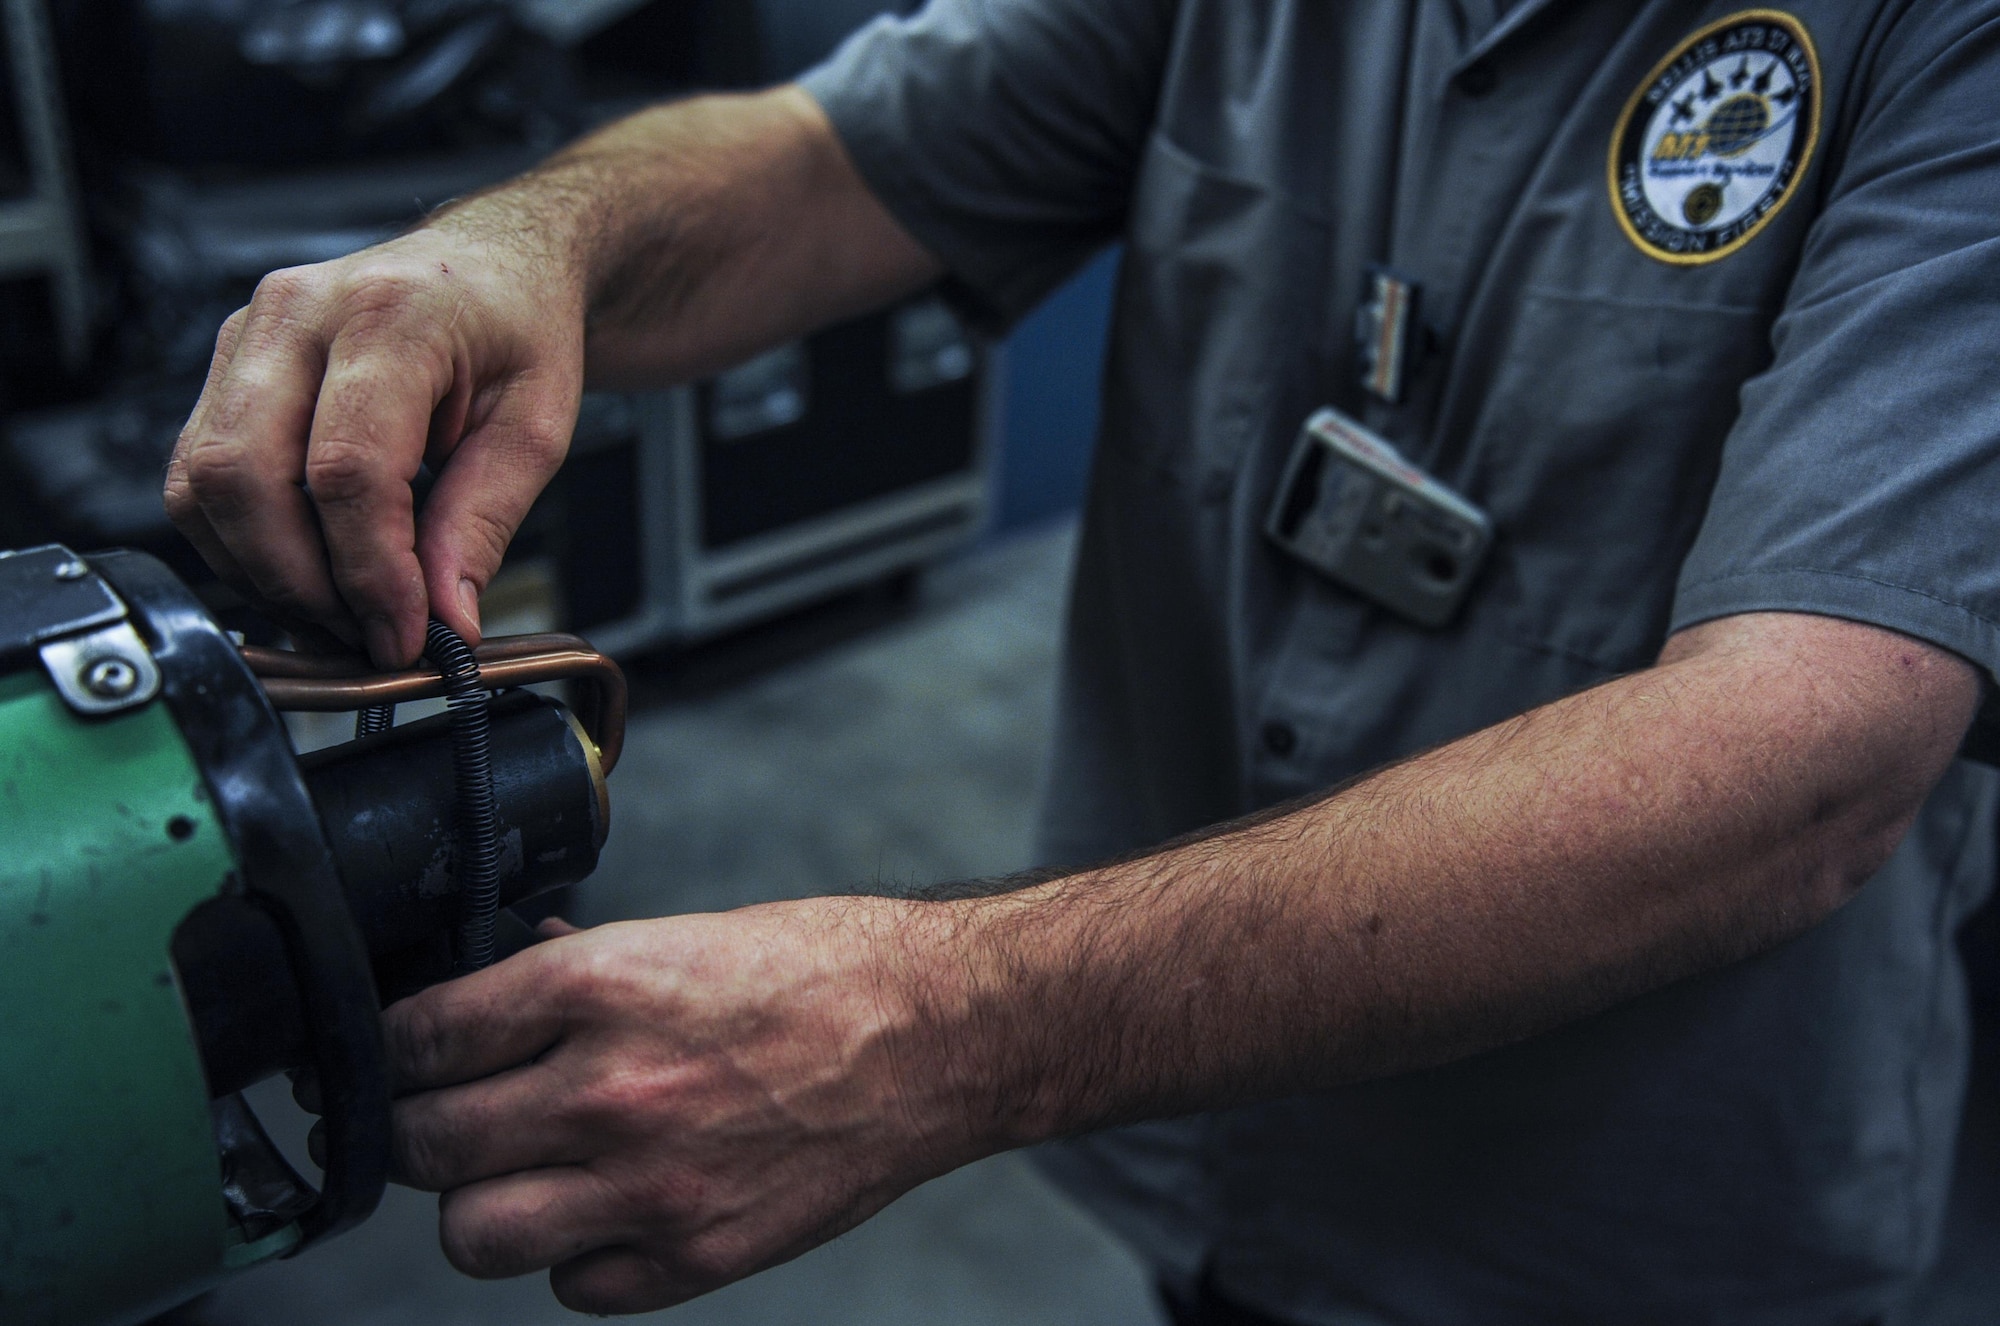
column 187, row 907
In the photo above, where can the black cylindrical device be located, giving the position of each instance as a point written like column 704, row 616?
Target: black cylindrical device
column 385, row 805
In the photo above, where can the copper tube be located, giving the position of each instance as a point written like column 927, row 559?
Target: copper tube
column 290, row 663
column 333, row 684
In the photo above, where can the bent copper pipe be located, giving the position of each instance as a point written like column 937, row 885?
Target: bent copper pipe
column 333, row 684
column 290, row 663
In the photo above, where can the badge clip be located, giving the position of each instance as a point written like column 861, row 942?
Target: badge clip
column 1385, row 329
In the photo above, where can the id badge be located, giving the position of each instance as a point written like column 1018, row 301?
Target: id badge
column 1352, row 508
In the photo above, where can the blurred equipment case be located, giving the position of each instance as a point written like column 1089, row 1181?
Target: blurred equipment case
column 230, row 137
column 857, row 454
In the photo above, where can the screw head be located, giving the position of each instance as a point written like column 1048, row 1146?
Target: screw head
column 74, row 569
column 109, row 678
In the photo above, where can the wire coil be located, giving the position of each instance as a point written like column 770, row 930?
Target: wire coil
column 477, row 826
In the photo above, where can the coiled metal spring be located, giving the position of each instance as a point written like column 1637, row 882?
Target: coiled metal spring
column 477, row 826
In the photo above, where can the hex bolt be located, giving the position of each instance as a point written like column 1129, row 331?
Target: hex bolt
column 109, row 678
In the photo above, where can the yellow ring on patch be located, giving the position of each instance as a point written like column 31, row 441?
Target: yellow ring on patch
column 1797, row 31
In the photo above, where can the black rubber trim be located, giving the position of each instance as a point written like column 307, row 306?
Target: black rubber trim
column 261, row 800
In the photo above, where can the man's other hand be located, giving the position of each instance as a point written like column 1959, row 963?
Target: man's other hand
column 656, row 1108
column 326, row 394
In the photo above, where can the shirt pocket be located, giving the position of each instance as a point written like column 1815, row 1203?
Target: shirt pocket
column 1220, row 316
column 1595, row 451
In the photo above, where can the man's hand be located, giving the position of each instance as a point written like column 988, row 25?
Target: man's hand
column 656, row 1108
column 328, row 392
column 674, row 243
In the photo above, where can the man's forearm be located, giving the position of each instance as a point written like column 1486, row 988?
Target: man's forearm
column 1660, row 825
column 659, row 1107
column 700, row 232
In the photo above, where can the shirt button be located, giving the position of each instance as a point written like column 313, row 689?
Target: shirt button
column 1280, row 738
column 1477, row 80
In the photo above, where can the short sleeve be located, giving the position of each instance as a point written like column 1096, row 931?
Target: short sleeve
column 1862, row 477
column 1003, row 134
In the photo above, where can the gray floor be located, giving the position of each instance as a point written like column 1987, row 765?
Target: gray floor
column 907, row 753
column 904, row 753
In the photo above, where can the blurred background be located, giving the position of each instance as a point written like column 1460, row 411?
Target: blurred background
column 835, row 574
column 160, row 156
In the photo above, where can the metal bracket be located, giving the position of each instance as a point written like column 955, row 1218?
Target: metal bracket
column 105, row 672
column 49, row 592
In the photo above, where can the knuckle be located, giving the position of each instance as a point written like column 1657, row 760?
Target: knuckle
column 178, row 494
column 227, row 336
column 378, row 292
column 480, row 1240
column 212, row 470
column 413, row 1040
column 343, row 469
column 583, row 975
column 393, row 309
column 183, row 512
column 602, row 982
column 543, row 445
column 285, row 289
column 627, row 1096
column 419, row 1157
column 358, row 297
column 433, row 1140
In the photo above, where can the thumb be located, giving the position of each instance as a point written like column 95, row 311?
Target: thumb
column 483, row 493
column 474, row 1026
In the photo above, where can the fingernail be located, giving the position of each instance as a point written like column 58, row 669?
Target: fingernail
column 383, row 646
column 468, row 602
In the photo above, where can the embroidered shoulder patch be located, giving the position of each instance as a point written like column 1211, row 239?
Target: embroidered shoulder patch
column 1712, row 144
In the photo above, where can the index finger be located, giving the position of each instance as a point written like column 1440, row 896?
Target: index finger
column 368, row 436
column 243, row 459
column 177, row 493
column 472, row 1027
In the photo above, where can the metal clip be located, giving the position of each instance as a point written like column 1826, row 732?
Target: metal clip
column 1385, row 333
column 105, row 672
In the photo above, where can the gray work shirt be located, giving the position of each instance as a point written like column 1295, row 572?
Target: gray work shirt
column 1676, row 403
